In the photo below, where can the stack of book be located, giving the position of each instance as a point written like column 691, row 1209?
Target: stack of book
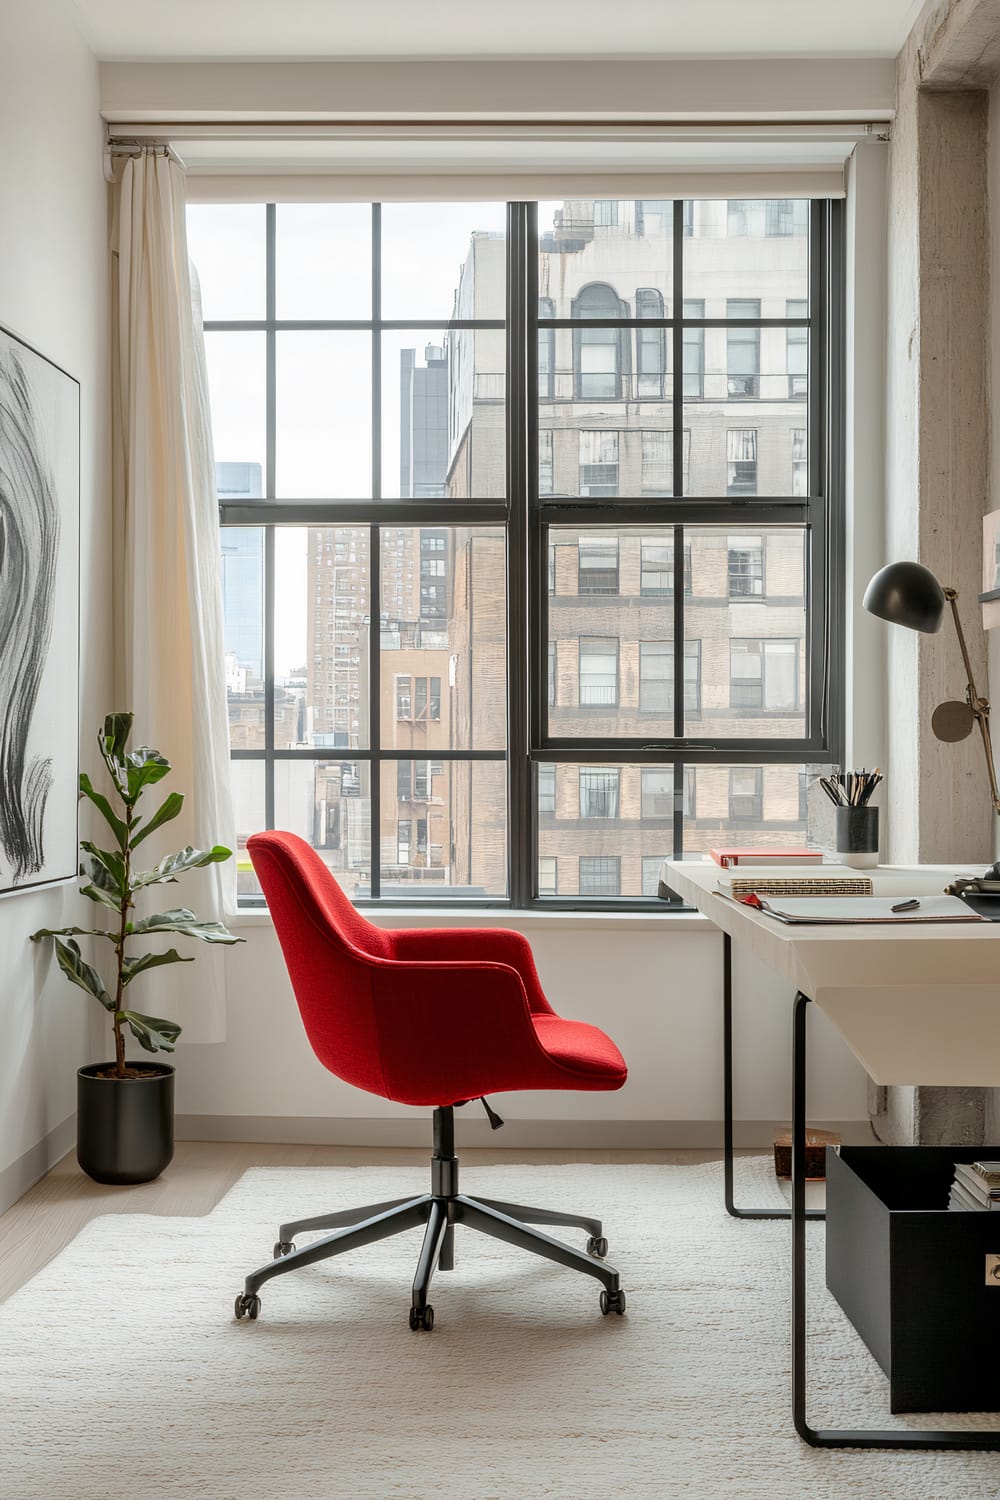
column 976, row 1185
column 793, row 880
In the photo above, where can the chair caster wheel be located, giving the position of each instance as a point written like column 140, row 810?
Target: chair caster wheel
column 247, row 1306
column 597, row 1245
column 422, row 1317
column 283, row 1247
column 613, row 1302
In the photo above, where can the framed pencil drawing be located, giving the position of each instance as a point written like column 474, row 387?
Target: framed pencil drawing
column 39, row 617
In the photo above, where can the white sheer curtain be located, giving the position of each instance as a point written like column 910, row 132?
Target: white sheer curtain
column 169, row 667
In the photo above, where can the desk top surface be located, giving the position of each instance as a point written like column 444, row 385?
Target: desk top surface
column 916, row 1003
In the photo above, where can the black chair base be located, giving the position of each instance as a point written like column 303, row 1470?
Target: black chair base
column 440, row 1210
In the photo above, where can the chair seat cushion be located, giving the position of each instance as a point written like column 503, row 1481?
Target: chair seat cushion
column 584, row 1049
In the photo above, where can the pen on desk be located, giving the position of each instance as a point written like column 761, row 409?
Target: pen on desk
column 910, row 905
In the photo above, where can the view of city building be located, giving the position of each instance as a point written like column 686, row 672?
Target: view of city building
column 439, row 624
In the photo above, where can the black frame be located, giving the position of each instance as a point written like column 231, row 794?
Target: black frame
column 528, row 517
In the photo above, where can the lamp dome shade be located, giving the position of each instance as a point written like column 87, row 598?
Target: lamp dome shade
column 906, row 593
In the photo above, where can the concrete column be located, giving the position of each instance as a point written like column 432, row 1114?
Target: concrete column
column 937, row 466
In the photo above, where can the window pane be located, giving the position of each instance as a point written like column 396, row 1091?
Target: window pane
column 323, row 260
column 444, row 414
column 443, row 829
column 748, row 248
column 443, row 621
column 321, row 626
column 444, row 260
column 747, row 608
column 328, row 803
column 227, row 243
column 619, row 246
column 608, row 827
column 242, row 578
column 247, row 782
column 238, row 395
column 323, row 416
column 758, row 806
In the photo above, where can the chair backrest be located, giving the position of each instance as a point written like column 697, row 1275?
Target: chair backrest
column 327, row 945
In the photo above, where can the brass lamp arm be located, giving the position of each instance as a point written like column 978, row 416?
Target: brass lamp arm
column 979, row 707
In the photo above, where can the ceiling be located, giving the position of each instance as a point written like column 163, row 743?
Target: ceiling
column 326, row 29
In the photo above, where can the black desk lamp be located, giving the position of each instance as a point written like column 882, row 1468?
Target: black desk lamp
column 907, row 593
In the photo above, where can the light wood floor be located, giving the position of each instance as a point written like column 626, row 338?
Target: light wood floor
column 54, row 1211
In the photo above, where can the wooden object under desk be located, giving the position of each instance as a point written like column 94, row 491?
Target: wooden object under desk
column 816, row 1144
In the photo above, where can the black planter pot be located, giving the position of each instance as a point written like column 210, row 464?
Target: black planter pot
column 125, row 1126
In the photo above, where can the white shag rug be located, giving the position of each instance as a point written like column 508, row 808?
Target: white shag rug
column 124, row 1375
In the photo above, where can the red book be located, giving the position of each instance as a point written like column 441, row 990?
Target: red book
column 729, row 857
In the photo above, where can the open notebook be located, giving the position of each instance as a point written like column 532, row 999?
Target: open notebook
column 830, row 910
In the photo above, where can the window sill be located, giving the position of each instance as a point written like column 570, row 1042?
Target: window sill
column 519, row 921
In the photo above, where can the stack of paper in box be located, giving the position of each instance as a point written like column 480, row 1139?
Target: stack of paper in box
column 976, row 1185
column 794, row 880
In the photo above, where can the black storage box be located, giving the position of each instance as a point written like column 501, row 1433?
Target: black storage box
column 912, row 1275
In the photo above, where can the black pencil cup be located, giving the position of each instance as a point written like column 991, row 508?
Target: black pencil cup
column 857, row 836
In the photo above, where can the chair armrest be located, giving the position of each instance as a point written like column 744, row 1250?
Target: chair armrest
column 472, row 945
column 451, row 1031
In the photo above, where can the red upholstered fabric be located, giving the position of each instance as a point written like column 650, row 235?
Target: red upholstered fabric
column 423, row 1017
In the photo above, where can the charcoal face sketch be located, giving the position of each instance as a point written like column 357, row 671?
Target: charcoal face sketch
column 39, row 617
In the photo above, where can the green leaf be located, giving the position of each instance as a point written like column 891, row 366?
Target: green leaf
column 169, row 810
column 46, row 932
column 173, row 865
column 103, row 897
column 79, row 972
column 184, row 921
column 133, row 966
column 143, row 767
column 117, row 826
column 111, row 741
column 106, row 866
column 150, row 1032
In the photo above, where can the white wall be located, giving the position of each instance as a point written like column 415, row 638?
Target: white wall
column 53, row 293
column 654, row 983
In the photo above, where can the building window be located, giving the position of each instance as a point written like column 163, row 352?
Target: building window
column 598, row 464
column 656, row 677
column 803, row 796
column 404, row 698
column 598, row 671
column 552, row 673
column 548, row 875
column 600, row 875
column 657, row 793
column 597, row 568
column 606, row 212
column 784, row 217
column 687, row 218
column 651, row 345
column 404, row 837
column 651, row 864
column 546, row 789
column 764, row 674
column 427, row 698
column 689, row 793
column 800, row 463
column 746, row 567
column 746, row 794
column 656, row 568
column 741, row 461
column 694, row 350
column 598, row 352
column 745, row 217
column 654, row 216
column 656, row 477
column 797, row 351
column 546, row 352
column 598, row 792
column 743, row 350
column 545, row 476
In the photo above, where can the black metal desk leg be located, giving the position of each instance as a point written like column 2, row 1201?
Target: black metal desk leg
column 836, row 1437
column 727, row 1100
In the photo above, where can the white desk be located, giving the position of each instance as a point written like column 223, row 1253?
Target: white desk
column 916, row 1005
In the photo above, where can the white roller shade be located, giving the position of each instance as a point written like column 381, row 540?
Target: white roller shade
column 297, row 163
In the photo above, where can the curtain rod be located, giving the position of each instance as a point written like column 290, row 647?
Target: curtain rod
column 121, row 147
column 137, row 133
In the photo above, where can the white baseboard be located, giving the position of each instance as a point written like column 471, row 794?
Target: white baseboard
column 519, row 1135
column 23, row 1173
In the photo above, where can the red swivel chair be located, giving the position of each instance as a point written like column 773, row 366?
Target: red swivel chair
column 427, row 1017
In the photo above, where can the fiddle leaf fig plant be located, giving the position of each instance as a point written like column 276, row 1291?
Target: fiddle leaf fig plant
column 113, row 881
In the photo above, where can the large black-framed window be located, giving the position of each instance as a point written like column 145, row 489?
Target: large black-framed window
column 432, row 715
